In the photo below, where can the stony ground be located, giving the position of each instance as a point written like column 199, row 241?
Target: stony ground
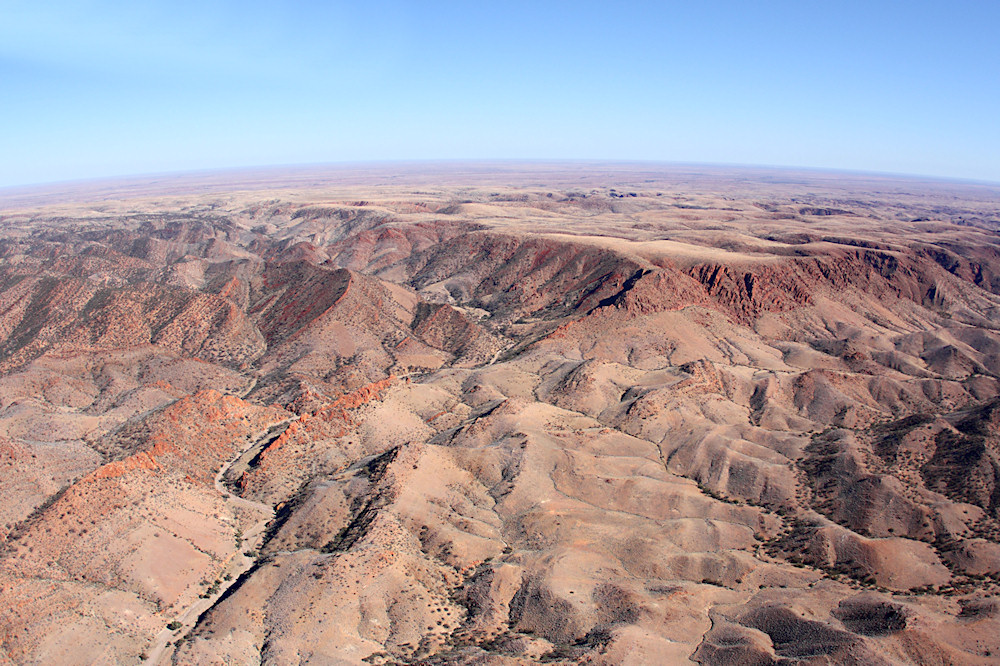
column 562, row 415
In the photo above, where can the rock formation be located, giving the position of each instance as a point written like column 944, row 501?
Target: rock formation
column 601, row 417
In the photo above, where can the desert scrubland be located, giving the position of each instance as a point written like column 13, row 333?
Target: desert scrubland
column 501, row 414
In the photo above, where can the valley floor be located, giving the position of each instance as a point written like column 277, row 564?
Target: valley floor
column 620, row 416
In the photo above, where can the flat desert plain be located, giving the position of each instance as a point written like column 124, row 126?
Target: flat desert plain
column 500, row 414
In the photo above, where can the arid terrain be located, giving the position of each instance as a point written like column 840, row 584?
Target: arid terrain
column 501, row 414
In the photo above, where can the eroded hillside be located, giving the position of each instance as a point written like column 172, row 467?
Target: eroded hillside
column 563, row 418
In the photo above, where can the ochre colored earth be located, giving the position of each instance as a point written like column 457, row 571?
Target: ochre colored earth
column 622, row 415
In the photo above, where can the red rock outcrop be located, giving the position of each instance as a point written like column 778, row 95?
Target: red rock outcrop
column 613, row 417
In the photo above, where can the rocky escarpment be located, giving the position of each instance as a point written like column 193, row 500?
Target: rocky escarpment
column 561, row 424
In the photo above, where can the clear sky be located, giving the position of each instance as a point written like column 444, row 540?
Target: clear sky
column 99, row 88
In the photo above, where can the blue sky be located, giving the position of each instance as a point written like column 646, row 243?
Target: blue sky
column 95, row 88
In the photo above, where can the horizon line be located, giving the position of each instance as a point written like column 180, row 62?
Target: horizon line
column 121, row 181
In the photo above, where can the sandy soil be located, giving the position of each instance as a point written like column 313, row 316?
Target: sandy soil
column 501, row 414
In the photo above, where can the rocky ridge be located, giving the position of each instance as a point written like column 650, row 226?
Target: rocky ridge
column 504, row 425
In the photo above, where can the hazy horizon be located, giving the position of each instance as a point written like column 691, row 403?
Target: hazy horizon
column 549, row 165
column 113, row 90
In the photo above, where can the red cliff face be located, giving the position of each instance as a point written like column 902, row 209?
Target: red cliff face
column 749, row 292
column 789, row 283
column 314, row 441
column 192, row 437
column 616, row 417
column 657, row 290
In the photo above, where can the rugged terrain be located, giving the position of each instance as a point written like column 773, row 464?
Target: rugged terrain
column 499, row 415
